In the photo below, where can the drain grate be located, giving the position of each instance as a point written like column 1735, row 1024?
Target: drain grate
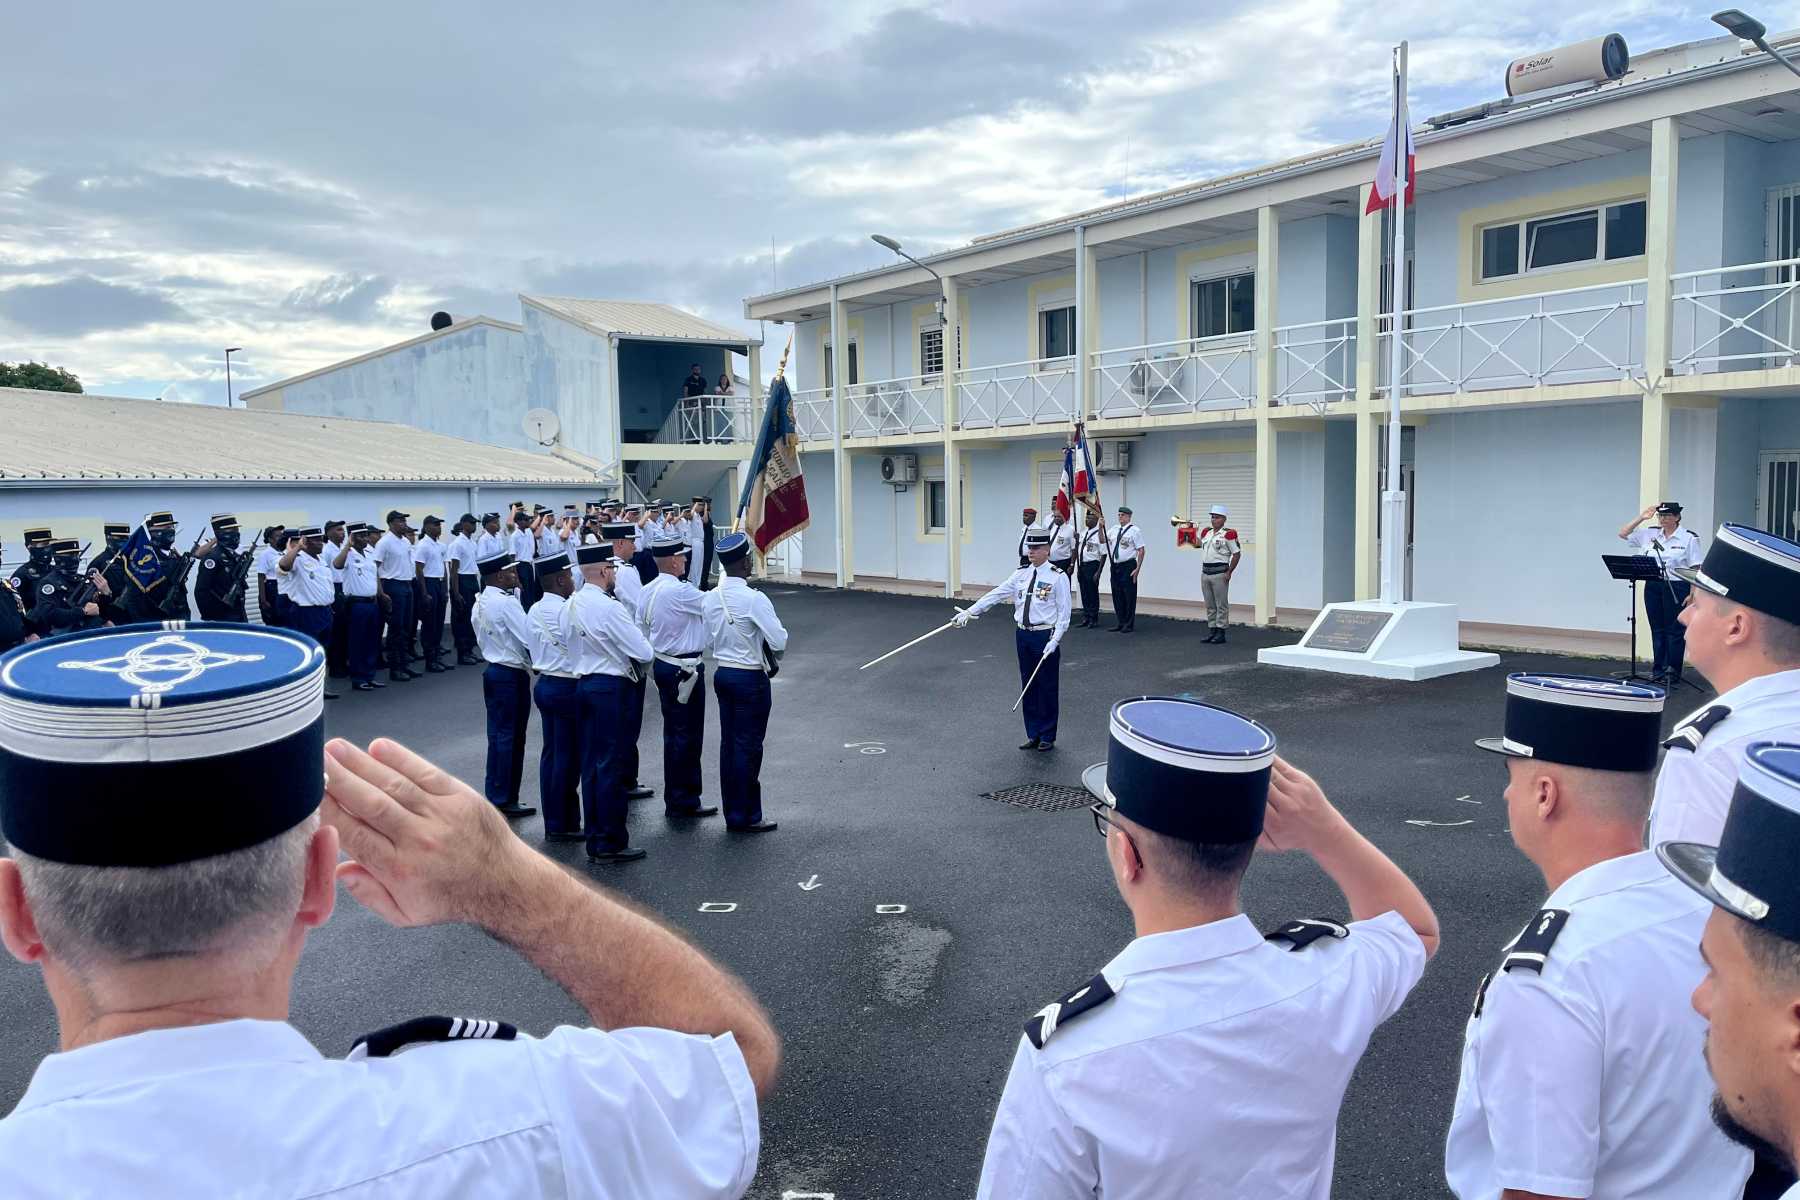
column 1042, row 797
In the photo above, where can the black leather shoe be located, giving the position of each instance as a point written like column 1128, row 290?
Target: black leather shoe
column 1117, row 629
column 435, row 669
column 1042, row 746
column 364, row 687
column 516, row 809
column 759, row 827
column 400, row 676
column 639, row 792
column 565, row 835
column 331, row 695
column 613, row 858
column 467, row 660
column 709, row 810
column 1029, row 744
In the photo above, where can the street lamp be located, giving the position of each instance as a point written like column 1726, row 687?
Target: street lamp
column 1740, row 24
column 881, row 239
column 229, row 351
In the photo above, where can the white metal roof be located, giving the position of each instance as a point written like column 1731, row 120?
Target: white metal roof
column 64, row 437
column 460, row 325
column 640, row 319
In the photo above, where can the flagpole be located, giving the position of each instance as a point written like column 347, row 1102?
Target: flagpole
column 737, row 525
column 1393, row 500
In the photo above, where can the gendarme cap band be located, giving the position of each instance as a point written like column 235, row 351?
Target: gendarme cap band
column 664, row 546
column 1754, row 568
column 587, row 556
column 732, row 547
column 550, row 564
column 618, row 530
column 494, row 563
column 1581, row 721
column 1186, row 769
column 153, row 744
column 1750, row 873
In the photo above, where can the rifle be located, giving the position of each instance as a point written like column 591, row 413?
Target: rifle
column 178, row 581
column 235, row 592
column 89, row 589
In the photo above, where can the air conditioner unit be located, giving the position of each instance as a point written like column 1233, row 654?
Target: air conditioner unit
column 1135, row 380
column 1112, row 457
column 900, row 469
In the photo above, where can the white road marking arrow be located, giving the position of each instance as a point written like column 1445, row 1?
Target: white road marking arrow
column 1441, row 824
column 1466, row 800
column 810, row 884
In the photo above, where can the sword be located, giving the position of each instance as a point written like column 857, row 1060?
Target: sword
column 909, row 645
column 1042, row 659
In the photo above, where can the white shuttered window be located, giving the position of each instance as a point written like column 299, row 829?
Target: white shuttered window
column 1228, row 479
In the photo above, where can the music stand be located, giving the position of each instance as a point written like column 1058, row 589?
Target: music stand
column 1633, row 569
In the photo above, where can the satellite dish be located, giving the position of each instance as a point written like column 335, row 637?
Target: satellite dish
column 542, row 426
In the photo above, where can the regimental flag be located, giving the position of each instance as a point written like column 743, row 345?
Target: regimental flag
column 1080, row 483
column 1386, row 184
column 773, row 505
column 146, row 569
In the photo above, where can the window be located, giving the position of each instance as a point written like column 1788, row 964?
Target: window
column 1049, row 482
column 1228, row 479
column 931, row 351
column 1603, row 234
column 831, row 364
column 1056, row 332
column 1221, row 306
column 935, row 506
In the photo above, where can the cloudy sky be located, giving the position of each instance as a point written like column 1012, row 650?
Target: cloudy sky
column 310, row 181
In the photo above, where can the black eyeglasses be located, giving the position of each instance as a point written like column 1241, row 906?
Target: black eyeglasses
column 1101, row 822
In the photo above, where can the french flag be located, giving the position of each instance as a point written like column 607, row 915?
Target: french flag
column 1078, row 477
column 1382, row 193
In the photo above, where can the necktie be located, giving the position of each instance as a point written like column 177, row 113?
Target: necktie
column 1030, row 596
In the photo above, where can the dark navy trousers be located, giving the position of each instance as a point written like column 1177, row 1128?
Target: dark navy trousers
column 744, row 702
column 604, row 700
column 684, row 737
column 1040, row 702
column 1663, row 600
column 314, row 620
column 431, row 621
column 630, row 727
column 462, row 624
column 559, row 762
column 399, row 625
column 507, row 691
column 363, row 615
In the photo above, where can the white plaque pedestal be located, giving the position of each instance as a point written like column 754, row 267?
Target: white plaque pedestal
column 1411, row 640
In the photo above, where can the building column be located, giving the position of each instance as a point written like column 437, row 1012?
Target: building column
column 1087, row 322
column 1268, row 259
column 756, row 384
column 1365, row 572
column 1659, row 263
column 952, row 448
column 840, row 459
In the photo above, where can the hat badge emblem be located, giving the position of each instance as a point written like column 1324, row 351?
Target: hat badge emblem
column 163, row 664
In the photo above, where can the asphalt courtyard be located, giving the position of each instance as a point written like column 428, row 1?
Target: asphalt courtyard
column 900, row 927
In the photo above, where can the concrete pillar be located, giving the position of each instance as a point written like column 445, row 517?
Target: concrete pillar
column 1659, row 262
column 1369, row 301
column 1268, row 261
column 840, row 459
column 1087, row 322
column 756, row 384
column 952, row 448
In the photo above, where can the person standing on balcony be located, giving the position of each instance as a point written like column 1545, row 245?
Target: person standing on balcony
column 1674, row 548
column 1030, row 519
column 694, row 384
column 1127, row 554
column 723, row 387
column 1093, row 560
column 1219, row 554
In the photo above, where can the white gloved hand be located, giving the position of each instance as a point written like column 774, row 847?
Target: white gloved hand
column 961, row 620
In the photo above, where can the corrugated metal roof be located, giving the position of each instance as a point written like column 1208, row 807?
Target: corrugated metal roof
column 640, row 319
column 54, row 436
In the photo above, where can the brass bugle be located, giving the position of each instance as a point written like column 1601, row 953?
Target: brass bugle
column 1178, row 522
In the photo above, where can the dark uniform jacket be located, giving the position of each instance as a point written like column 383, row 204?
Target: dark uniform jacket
column 216, row 575
column 161, row 604
column 12, row 618
column 55, row 610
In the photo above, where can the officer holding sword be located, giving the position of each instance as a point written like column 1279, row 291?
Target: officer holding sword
column 1039, row 594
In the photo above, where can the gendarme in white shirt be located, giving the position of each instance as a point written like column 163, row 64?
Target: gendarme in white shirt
column 243, row 1108
column 1694, row 786
column 740, row 621
column 393, row 557
column 500, row 629
column 428, row 553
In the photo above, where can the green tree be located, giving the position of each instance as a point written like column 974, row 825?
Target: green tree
column 41, row 376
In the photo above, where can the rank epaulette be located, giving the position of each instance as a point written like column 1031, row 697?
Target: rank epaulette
column 384, row 1043
column 1086, row 998
column 1304, row 932
column 1481, row 994
column 1688, row 733
column 1531, row 949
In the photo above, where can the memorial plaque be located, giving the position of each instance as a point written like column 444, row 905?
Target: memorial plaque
column 1351, row 630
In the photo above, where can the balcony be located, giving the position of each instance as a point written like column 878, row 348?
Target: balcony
column 710, row 421
column 1006, row 395
column 812, row 414
column 895, row 407
column 1315, row 363
column 1739, row 318
column 1193, row 375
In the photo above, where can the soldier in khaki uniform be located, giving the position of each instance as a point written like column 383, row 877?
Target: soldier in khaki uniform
column 1219, row 553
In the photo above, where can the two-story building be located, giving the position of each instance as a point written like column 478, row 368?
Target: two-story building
column 1600, row 314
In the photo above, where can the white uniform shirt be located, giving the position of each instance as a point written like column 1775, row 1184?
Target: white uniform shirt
column 740, row 621
column 1678, row 549
column 522, row 544
column 488, row 544
column 428, row 553
column 1024, row 553
column 549, row 540
column 1587, row 1079
column 1126, row 540
column 601, row 636
column 582, row 1112
column 1218, row 546
column 545, row 639
column 628, row 588
column 359, row 573
column 1062, row 542
column 1216, row 1070
column 1038, row 593
column 1694, row 787
column 462, row 549
column 668, row 611
column 330, row 555
column 696, row 549
column 265, row 561
column 307, row 582
column 393, row 557
column 500, row 628
column 1093, row 544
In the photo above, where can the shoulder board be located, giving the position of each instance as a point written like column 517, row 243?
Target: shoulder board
column 1531, row 949
column 1086, row 998
column 1692, row 729
column 1304, row 932
column 1231, row 533
column 1481, row 995
column 385, row 1043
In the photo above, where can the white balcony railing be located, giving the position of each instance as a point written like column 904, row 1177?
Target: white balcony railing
column 1190, row 375
column 1740, row 318
column 1039, row 391
column 890, row 407
column 1315, row 363
column 710, row 421
column 812, row 414
column 1579, row 335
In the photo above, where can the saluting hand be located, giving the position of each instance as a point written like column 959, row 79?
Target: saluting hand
column 1299, row 817
column 424, row 847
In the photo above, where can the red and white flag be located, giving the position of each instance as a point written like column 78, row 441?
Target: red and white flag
column 1382, row 194
column 1079, row 483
